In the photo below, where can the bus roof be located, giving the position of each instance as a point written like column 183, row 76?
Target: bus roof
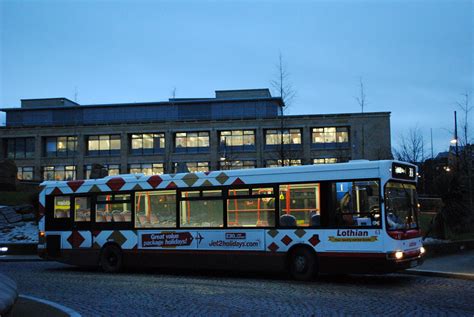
column 360, row 169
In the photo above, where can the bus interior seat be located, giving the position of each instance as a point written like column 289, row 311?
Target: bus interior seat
column 315, row 220
column 287, row 220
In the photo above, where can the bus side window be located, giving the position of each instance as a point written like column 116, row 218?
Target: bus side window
column 357, row 204
column 155, row 209
column 300, row 205
column 82, row 209
column 251, row 208
column 202, row 209
column 62, row 207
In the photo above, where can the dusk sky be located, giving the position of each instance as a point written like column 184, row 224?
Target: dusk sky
column 415, row 57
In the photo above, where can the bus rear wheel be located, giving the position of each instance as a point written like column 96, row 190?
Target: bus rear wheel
column 303, row 266
column 111, row 258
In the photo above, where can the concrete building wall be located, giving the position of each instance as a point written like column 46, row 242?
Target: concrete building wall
column 369, row 138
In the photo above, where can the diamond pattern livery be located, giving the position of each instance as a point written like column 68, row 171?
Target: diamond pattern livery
column 286, row 240
column 115, row 183
column 154, row 181
column 74, row 185
column 314, row 240
column 273, row 247
column 75, row 239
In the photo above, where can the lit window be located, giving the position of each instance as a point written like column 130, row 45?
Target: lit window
column 61, row 146
column 235, row 165
column 241, row 139
column 191, row 167
column 357, row 203
column 113, row 208
column 103, row 145
column 62, row 207
column 286, row 162
column 59, row 173
column 299, row 205
column 146, row 168
column 289, row 137
column 251, row 208
column 150, row 143
column 82, row 209
column 25, row 173
column 192, row 141
column 326, row 160
column 155, row 209
column 330, row 135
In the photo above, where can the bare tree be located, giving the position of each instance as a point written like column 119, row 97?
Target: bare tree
column 282, row 85
column 411, row 147
column 283, row 88
column 466, row 110
column 465, row 160
column 361, row 99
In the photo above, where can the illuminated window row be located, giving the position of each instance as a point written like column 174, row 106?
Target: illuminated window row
column 326, row 204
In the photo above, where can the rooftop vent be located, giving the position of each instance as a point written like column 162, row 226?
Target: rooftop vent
column 243, row 93
column 48, row 102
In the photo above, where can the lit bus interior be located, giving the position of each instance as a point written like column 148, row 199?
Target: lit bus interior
column 299, row 205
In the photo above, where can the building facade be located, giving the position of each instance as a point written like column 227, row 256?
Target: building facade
column 60, row 139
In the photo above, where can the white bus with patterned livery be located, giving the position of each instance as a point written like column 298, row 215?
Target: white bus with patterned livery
column 355, row 217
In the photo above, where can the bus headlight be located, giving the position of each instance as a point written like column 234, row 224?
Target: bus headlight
column 422, row 250
column 398, row 255
column 3, row 249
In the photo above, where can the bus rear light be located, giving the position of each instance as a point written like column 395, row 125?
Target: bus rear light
column 41, row 234
column 403, row 235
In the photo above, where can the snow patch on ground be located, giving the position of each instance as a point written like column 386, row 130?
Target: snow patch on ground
column 20, row 232
column 434, row 241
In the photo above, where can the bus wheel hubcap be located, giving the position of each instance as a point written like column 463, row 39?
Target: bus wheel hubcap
column 300, row 263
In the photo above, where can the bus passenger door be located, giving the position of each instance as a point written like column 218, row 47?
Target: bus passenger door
column 81, row 235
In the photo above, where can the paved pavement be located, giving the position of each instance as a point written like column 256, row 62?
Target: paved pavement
column 459, row 265
column 164, row 292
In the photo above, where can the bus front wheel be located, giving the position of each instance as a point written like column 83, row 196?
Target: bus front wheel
column 111, row 258
column 303, row 266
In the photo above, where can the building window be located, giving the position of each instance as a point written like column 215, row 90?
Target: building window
column 279, row 163
column 59, row 173
column 290, row 137
column 202, row 209
column 25, row 173
column 299, row 205
column 325, row 160
column 146, row 168
column 61, row 146
column 155, row 209
column 103, row 145
column 237, row 140
column 113, row 169
column 192, row 142
column 20, row 148
column 190, row 167
column 236, row 165
column 330, row 137
column 149, row 143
